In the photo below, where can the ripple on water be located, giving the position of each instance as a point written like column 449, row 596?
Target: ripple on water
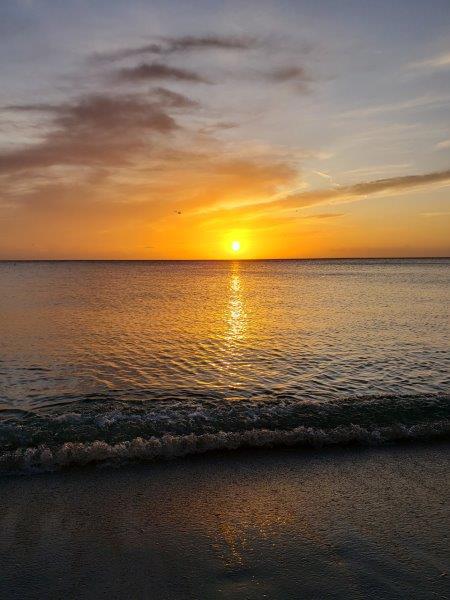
column 316, row 329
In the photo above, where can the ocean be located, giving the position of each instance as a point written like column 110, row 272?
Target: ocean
column 134, row 360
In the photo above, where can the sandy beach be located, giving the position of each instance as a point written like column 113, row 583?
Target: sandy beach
column 278, row 524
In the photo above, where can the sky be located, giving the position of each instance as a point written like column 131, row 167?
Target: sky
column 171, row 129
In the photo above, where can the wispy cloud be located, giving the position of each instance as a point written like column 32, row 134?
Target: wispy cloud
column 324, row 216
column 157, row 71
column 440, row 61
column 436, row 214
column 373, row 171
column 172, row 45
column 411, row 104
column 280, row 203
column 208, row 42
column 443, row 145
column 289, row 73
column 388, row 186
column 323, row 175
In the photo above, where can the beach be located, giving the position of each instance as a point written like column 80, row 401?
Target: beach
column 224, row 300
column 279, row 524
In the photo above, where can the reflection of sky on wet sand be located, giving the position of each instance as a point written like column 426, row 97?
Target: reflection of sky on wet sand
column 273, row 524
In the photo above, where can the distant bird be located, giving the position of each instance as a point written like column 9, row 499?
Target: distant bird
column 178, row 212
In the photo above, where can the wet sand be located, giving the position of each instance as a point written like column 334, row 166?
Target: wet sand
column 278, row 524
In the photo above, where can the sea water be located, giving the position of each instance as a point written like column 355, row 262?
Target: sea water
column 137, row 359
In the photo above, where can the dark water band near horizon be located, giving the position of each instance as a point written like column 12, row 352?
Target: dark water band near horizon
column 142, row 359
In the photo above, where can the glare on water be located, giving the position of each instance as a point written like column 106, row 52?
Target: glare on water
column 248, row 328
column 237, row 316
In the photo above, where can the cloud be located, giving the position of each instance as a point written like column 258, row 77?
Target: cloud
column 139, row 204
column 436, row 214
column 149, row 71
column 351, row 193
column 288, row 74
column 376, row 169
column 98, row 112
column 325, row 176
column 172, row 45
column 164, row 47
column 411, row 104
column 156, row 71
column 171, row 99
column 440, row 61
column 209, row 42
column 392, row 185
column 325, row 216
column 95, row 130
column 399, row 183
column 443, row 145
column 124, row 159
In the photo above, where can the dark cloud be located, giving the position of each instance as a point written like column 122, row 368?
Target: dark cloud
column 157, row 71
column 171, row 45
column 95, row 130
column 108, row 113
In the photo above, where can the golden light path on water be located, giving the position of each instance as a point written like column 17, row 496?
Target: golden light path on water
column 237, row 316
column 146, row 329
column 235, row 332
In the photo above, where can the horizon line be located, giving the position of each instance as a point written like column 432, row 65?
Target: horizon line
column 323, row 258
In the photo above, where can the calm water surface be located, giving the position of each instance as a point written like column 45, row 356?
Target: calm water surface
column 311, row 329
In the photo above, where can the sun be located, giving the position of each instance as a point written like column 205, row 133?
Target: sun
column 235, row 246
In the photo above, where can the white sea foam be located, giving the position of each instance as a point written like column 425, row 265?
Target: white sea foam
column 45, row 457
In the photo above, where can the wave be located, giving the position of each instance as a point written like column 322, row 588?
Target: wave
column 100, row 429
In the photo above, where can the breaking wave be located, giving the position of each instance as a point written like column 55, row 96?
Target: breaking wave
column 104, row 429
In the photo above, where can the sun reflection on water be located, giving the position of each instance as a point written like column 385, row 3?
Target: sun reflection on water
column 236, row 314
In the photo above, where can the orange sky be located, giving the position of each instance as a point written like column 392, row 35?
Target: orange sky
column 156, row 139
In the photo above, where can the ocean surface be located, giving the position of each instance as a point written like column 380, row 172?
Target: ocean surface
column 136, row 360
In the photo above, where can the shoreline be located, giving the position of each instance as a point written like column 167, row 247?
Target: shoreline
column 100, row 431
column 140, row 451
column 332, row 523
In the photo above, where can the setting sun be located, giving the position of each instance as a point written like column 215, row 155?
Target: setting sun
column 235, row 246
